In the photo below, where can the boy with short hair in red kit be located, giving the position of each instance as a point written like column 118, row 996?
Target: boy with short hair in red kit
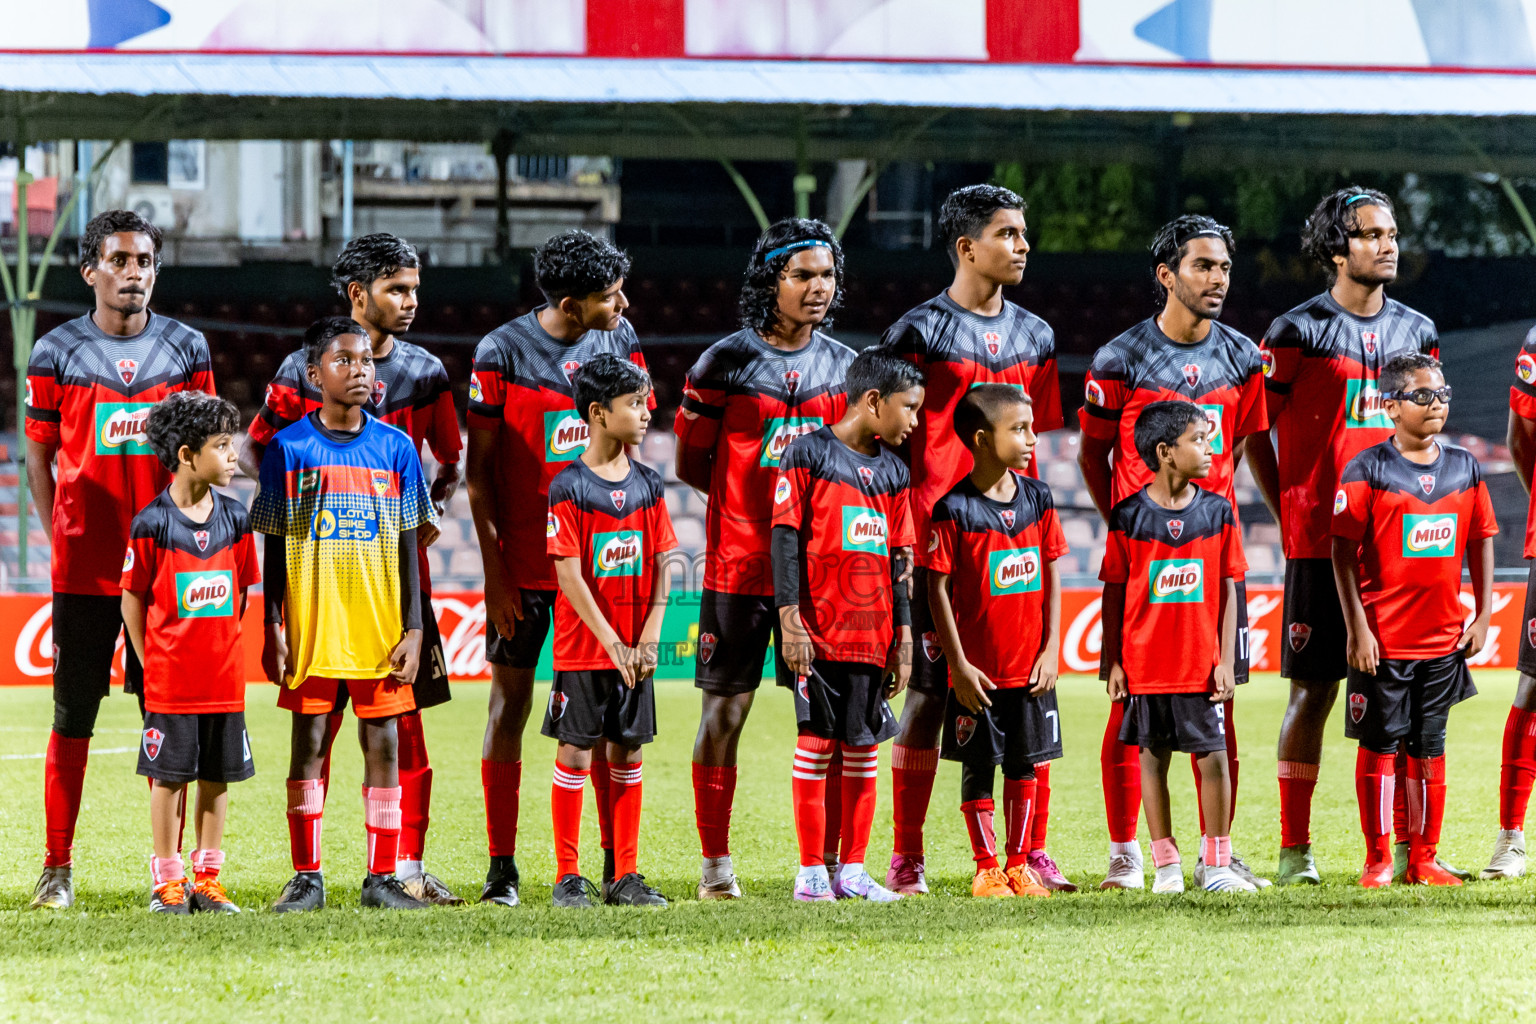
column 1407, row 512
column 1170, row 633
column 190, row 560
column 609, row 534
column 996, row 604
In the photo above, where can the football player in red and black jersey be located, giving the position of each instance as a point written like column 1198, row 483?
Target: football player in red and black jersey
column 90, row 386
column 379, row 275
column 1408, row 512
column 966, row 335
column 748, row 396
column 1321, row 363
column 1182, row 354
column 524, row 429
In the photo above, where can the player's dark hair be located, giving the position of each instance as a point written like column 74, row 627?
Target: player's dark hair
column 576, row 264
column 778, row 245
column 604, row 378
column 982, row 406
column 967, row 211
column 188, row 418
column 318, row 338
column 1164, row 423
column 113, row 222
column 876, row 369
column 1171, row 244
column 369, row 257
column 1334, row 219
column 1398, row 372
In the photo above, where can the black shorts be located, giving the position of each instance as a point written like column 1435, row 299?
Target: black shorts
column 1526, row 662
column 523, row 650
column 1187, row 722
column 930, row 669
column 1018, row 729
column 1406, row 700
column 1313, row 639
column 845, row 701
column 211, row 747
column 1241, row 660
column 593, row 705
column 86, row 628
column 734, row 630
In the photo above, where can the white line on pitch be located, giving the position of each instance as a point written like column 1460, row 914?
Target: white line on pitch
column 37, row 757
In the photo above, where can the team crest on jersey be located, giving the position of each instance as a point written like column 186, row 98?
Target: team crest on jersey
column 201, row 536
column 965, row 728
column 617, row 497
column 557, row 703
column 29, row 391
column 1093, row 391
column 1191, row 373
column 791, row 380
column 1368, row 339
column 570, row 366
column 128, row 561
column 1427, row 483
column 1300, row 633
column 154, row 739
column 1340, row 501
column 867, row 475
column 476, row 394
column 1006, row 515
column 1356, row 707
column 378, row 391
column 551, row 527
column 707, row 643
column 127, row 369
column 931, row 646
column 1530, row 635
column 781, row 491
column 1267, row 361
column 1175, row 527
column 1525, row 367
column 380, row 480
column 994, row 341
column 933, row 541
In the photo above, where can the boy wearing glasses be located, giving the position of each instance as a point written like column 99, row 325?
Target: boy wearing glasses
column 1407, row 513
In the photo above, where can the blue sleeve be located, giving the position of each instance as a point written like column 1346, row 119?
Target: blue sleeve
column 269, row 511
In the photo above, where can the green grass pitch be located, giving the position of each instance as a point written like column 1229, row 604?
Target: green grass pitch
column 1329, row 953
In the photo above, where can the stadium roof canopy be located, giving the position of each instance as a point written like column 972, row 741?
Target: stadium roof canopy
column 1408, row 119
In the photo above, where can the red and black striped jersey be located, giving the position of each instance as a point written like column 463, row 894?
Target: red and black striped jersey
column 850, row 511
column 994, row 553
column 194, row 577
column 1522, row 402
column 1222, row 374
column 1321, row 363
column 958, row 350
column 90, row 393
column 745, row 400
column 1172, row 562
column 615, row 530
column 521, row 384
column 1413, row 523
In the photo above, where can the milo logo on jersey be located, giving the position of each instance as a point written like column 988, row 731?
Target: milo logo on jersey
column 1176, row 581
column 1216, row 436
column 120, row 428
column 1014, row 572
column 205, row 595
column 618, row 553
column 1363, row 406
column 565, row 436
column 779, row 431
column 863, row 530
column 1429, row 536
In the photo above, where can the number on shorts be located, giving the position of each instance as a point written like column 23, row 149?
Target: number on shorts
column 1055, row 726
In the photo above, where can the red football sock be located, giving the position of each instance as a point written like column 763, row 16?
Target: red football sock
column 979, row 825
column 415, row 786
column 1018, row 810
column 1426, row 805
column 912, row 773
column 1120, row 772
column 624, row 790
column 1231, row 738
column 381, row 818
column 834, row 807
column 1375, row 784
column 1400, row 797
column 809, row 788
column 714, row 790
column 1297, row 781
column 861, row 771
column 501, row 781
column 206, row 864
column 1042, row 816
column 63, row 779
column 600, row 778
column 333, row 722
column 565, row 801
column 306, row 804
column 1518, row 771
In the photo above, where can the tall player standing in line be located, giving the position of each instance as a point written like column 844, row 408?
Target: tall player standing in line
column 749, row 395
column 523, row 429
column 966, row 335
column 379, row 275
column 90, row 386
column 1182, row 354
column 1321, row 361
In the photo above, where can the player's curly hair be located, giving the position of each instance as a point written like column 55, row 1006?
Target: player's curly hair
column 367, row 258
column 576, row 264
column 1171, row 244
column 320, row 334
column 188, row 418
column 1334, row 219
column 604, row 378
column 878, row 369
column 1161, row 423
column 759, row 303
column 967, row 211
column 1398, row 372
column 980, row 407
column 112, row 222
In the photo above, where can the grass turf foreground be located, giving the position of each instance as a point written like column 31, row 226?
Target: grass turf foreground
column 1334, row 952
